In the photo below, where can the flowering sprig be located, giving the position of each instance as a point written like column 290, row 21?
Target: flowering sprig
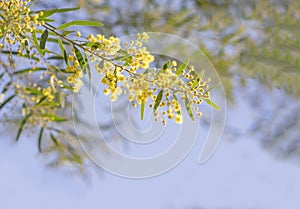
column 57, row 63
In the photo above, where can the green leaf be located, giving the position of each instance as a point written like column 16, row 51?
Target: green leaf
column 88, row 71
column 211, row 88
column 80, row 59
column 22, row 126
column 79, row 23
column 56, row 58
column 55, row 118
column 29, row 70
column 44, row 38
column 188, row 107
column 6, row 87
column 198, row 79
column 182, row 67
column 93, row 44
column 163, row 68
column 48, row 13
column 158, row 100
column 63, row 51
column 2, row 75
column 67, row 32
column 40, row 139
column 142, row 110
column 41, row 100
column 55, row 141
column 46, row 19
column 63, row 10
column 214, row 105
column 166, row 65
column 36, row 44
column 34, row 91
column 6, row 101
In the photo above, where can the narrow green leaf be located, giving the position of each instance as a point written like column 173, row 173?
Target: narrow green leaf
column 41, row 100
column 63, row 51
column 182, row 67
column 48, row 13
column 56, row 58
column 63, row 10
column 27, row 49
column 88, row 71
column 55, row 118
column 80, row 59
column 214, row 105
column 79, row 23
column 34, row 91
column 68, row 32
column 46, row 19
column 55, row 141
column 6, row 87
column 93, row 44
column 142, row 110
column 22, row 126
column 158, row 100
column 44, row 38
column 198, row 79
column 40, row 139
column 166, row 65
column 2, row 74
column 36, row 44
column 211, row 88
column 29, row 70
column 188, row 107
column 6, row 101
column 163, row 68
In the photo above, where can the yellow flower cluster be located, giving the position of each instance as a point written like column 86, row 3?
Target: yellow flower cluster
column 139, row 55
column 38, row 102
column 16, row 20
column 104, row 46
column 76, row 73
column 131, row 74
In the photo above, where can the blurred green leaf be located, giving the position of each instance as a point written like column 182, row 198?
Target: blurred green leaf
column 22, row 126
column 55, row 118
column 55, row 141
column 6, row 101
column 79, row 23
column 80, row 59
column 40, row 139
column 44, row 38
column 63, row 51
column 36, row 44
column 158, row 100
column 188, row 107
column 182, row 67
column 211, row 103
column 142, row 110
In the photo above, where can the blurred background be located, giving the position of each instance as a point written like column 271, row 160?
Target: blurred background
column 254, row 46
